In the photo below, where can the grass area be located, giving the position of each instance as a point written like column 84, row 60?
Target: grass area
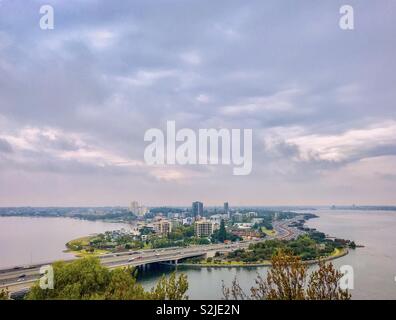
column 147, row 246
column 335, row 253
column 338, row 252
column 81, row 247
column 268, row 232
column 76, row 247
column 83, row 241
column 84, row 253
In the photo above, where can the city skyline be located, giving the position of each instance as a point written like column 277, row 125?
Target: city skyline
column 76, row 101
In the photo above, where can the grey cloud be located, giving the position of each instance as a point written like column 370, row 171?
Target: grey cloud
column 5, row 147
column 113, row 69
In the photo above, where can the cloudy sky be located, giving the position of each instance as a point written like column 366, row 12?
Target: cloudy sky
column 76, row 101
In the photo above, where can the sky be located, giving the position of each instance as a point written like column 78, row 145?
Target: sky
column 76, row 101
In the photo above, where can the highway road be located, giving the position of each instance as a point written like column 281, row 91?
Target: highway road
column 23, row 277
column 284, row 232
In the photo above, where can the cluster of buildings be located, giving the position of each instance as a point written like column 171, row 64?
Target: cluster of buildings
column 205, row 222
column 198, row 210
column 163, row 224
column 202, row 227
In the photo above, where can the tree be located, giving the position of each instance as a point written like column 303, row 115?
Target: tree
column 287, row 280
column 123, row 286
column 4, row 294
column 78, row 280
column 173, row 288
column 87, row 279
column 323, row 284
column 222, row 232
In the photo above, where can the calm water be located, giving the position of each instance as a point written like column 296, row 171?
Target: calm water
column 374, row 265
column 29, row 240
column 26, row 240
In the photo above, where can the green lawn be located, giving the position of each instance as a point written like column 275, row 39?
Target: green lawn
column 268, row 232
column 83, row 242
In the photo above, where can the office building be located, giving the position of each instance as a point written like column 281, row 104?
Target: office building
column 203, row 228
column 251, row 214
column 134, row 207
column 197, row 209
column 237, row 217
column 226, row 209
column 137, row 210
column 163, row 227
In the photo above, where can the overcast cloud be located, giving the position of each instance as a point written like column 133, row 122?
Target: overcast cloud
column 76, row 101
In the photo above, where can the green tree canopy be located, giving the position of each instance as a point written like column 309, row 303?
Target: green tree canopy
column 171, row 288
column 87, row 279
column 222, row 231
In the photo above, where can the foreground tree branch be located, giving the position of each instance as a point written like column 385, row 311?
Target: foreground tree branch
column 288, row 280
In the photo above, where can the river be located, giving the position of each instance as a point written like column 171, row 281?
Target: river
column 25, row 240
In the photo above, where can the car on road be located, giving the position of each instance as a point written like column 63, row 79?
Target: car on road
column 21, row 277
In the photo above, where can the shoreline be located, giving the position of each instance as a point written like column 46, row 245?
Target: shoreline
column 343, row 252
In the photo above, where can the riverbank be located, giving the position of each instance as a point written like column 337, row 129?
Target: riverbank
column 338, row 253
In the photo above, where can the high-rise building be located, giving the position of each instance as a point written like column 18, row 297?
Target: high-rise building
column 134, row 207
column 137, row 210
column 203, row 228
column 142, row 211
column 226, row 209
column 237, row 217
column 163, row 227
column 197, row 209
